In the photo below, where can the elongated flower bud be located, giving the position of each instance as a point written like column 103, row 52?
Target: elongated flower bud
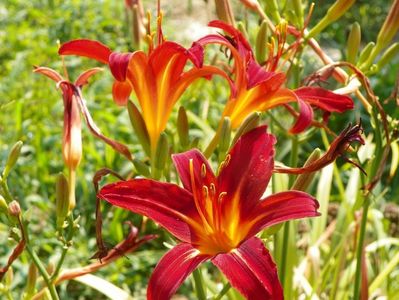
column 298, row 9
column 364, row 55
column 224, row 11
column 388, row 55
column 248, row 124
column 12, row 158
column 138, row 124
column 14, row 209
column 162, row 152
column 303, row 181
column 72, row 137
column 261, row 43
column 141, row 168
column 272, row 8
column 390, row 26
column 3, row 205
column 333, row 14
column 353, row 44
column 62, row 199
column 182, row 127
column 225, row 136
column 31, row 281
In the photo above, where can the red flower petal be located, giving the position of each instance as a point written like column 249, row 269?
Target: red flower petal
column 325, row 99
column 118, row 63
column 282, row 207
column 87, row 48
column 304, row 119
column 50, row 73
column 247, row 173
column 172, row 269
column 196, row 54
column 203, row 173
column 257, row 75
column 121, row 91
column 167, row 204
column 84, row 77
column 251, row 270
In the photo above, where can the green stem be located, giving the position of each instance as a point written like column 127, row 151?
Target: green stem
column 359, row 251
column 43, row 272
column 65, row 249
column 223, row 292
column 4, row 186
column 293, row 163
column 199, row 284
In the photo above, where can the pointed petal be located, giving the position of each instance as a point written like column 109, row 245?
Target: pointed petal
column 304, row 119
column 244, row 177
column 167, row 204
column 50, row 73
column 281, row 207
column 118, row 63
column 325, row 99
column 87, row 48
column 121, row 91
column 196, row 54
column 119, row 147
column 203, row 173
column 172, row 270
column 257, row 75
column 251, row 270
column 84, row 77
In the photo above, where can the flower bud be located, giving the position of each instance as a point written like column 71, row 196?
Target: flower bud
column 139, row 126
column 62, row 200
column 225, row 136
column 141, row 168
column 162, row 152
column 261, row 43
column 14, row 209
column 364, row 55
column 72, row 137
column 353, row 44
column 298, row 9
column 31, row 280
column 3, row 204
column 12, row 158
column 272, row 8
column 388, row 55
column 303, row 181
column 248, row 124
column 241, row 28
column 334, row 13
column 390, row 26
column 224, row 11
column 182, row 127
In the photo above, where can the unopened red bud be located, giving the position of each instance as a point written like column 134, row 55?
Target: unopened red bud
column 14, row 209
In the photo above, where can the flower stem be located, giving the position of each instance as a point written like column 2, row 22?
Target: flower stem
column 43, row 272
column 286, row 233
column 199, row 285
column 223, row 292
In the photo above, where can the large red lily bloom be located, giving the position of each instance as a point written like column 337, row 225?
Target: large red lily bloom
column 259, row 89
column 158, row 78
column 217, row 217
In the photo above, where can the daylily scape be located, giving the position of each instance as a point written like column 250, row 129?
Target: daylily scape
column 217, row 217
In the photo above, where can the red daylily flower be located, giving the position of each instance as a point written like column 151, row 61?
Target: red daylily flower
column 217, row 217
column 158, row 78
column 258, row 89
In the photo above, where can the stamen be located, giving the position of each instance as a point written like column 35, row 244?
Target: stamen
column 205, row 191
column 221, row 195
column 203, row 170
column 227, row 160
column 213, row 189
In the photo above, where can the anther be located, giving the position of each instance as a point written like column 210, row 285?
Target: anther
column 205, row 191
column 203, row 170
column 227, row 160
column 221, row 195
column 213, row 189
